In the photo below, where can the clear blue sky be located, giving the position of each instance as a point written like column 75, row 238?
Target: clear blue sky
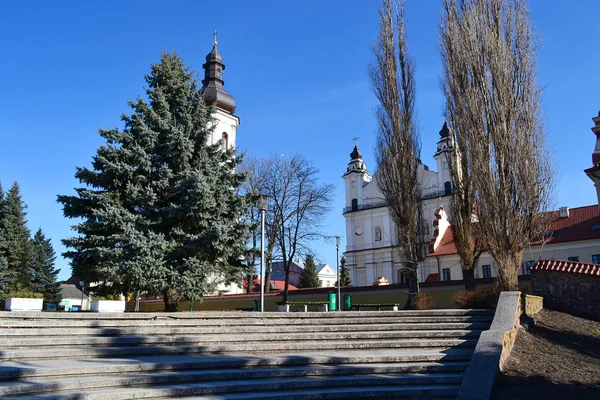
column 297, row 70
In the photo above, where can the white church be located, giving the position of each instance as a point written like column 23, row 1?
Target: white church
column 370, row 232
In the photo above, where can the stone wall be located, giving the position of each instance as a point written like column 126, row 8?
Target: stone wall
column 533, row 304
column 569, row 292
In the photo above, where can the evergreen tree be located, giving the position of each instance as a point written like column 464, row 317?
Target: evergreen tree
column 42, row 269
column 14, row 235
column 344, row 273
column 309, row 277
column 160, row 211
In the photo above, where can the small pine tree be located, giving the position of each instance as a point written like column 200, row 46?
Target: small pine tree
column 344, row 273
column 309, row 277
column 41, row 267
column 14, row 234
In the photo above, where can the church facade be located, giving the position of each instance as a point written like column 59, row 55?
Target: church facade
column 371, row 235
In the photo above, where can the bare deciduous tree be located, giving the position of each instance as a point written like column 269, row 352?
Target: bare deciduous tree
column 461, row 113
column 298, row 203
column 398, row 144
column 494, row 103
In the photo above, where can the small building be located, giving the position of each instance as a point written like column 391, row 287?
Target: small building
column 72, row 296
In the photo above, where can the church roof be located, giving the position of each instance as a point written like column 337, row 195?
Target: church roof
column 583, row 223
column 444, row 132
column 356, row 154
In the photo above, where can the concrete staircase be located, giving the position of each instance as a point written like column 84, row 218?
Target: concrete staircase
column 237, row 355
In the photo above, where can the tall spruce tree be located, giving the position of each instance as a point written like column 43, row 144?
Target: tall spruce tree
column 41, row 266
column 14, row 236
column 344, row 273
column 160, row 211
column 309, row 277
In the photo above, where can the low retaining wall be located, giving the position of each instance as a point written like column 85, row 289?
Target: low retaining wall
column 493, row 349
column 441, row 293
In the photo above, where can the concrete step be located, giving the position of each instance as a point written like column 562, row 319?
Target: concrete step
column 27, row 370
column 93, row 341
column 216, row 315
column 50, row 353
column 268, row 385
column 240, row 322
column 200, row 330
column 384, row 392
column 424, row 373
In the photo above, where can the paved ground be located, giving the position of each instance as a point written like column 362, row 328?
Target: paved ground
column 559, row 358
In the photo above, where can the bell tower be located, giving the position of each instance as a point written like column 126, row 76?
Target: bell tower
column 226, row 122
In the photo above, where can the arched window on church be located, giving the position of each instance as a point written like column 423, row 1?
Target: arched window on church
column 354, row 204
column 448, row 188
column 225, row 138
column 378, row 234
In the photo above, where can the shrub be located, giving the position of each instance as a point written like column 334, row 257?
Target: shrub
column 25, row 294
column 478, row 298
column 424, row 301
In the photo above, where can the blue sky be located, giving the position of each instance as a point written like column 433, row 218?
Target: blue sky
column 297, row 70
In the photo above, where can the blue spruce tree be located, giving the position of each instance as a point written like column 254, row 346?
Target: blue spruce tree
column 159, row 208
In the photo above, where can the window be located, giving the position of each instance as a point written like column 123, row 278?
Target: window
column 448, row 188
column 486, row 271
column 354, row 204
column 596, row 258
column 225, row 138
column 596, row 227
column 574, row 259
column 401, row 277
column 446, row 274
column 528, row 265
column 378, row 234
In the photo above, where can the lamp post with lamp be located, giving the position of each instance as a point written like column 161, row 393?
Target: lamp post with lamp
column 339, row 283
column 262, row 205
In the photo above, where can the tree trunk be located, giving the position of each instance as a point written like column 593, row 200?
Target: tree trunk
column 267, row 281
column 137, row 301
column 469, row 277
column 284, row 296
column 413, row 291
column 508, row 266
column 171, row 304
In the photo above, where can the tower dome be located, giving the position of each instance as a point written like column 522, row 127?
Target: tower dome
column 212, row 85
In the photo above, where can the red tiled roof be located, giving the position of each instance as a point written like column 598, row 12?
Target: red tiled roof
column 275, row 285
column 567, row 266
column 576, row 227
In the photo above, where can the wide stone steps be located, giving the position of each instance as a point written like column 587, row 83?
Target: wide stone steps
column 422, row 374
column 194, row 330
column 167, row 388
column 23, row 342
column 206, row 355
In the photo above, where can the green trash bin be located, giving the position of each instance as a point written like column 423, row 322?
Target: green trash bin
column 347, row 302
column 256, row 305
column 332, row 301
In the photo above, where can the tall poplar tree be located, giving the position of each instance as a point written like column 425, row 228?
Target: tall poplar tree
column 159, row 207
column 41, row 266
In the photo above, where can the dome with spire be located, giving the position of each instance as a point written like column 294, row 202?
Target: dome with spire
column 212, row 85
column 356, row 154
column 445, row 132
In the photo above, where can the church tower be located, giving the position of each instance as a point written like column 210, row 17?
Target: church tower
column 355, row 178
column 213, row 93
column 594, row 172
column 444, row 151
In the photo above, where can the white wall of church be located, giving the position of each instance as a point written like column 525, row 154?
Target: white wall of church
column 225, row 124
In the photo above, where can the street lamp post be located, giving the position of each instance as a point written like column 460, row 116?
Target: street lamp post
column 339, row 282
column 263, row 203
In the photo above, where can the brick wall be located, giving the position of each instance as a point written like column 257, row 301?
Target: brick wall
column 570, row 292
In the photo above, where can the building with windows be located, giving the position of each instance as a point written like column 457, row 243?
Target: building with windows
column 573, row 234
column 371, row 235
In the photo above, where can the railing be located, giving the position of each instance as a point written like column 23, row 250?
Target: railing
column 379, row 204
